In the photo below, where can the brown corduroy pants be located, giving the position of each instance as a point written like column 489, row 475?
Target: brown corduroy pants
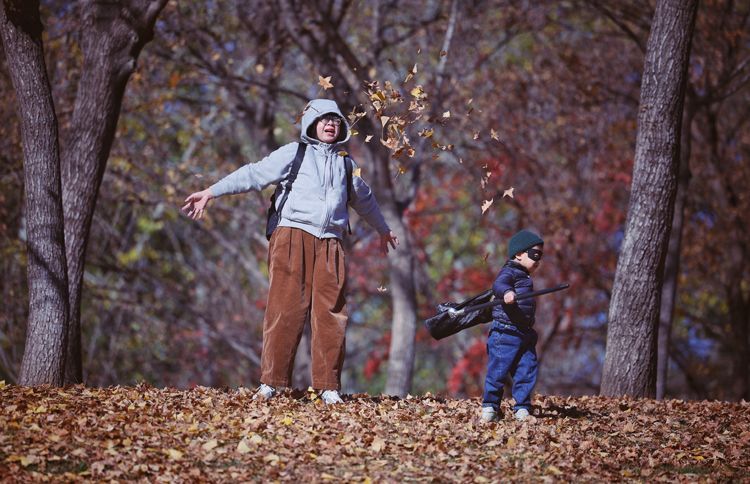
column 307, row 276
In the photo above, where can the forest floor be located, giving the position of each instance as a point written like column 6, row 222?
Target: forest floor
column 207, row 434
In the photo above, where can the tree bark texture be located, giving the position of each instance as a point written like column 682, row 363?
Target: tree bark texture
column 672, row 262
column 44, row 354
column 630, row 360
column 403, row 296
column 112, row 37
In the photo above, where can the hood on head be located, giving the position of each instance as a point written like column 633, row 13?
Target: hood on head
column 315, row 109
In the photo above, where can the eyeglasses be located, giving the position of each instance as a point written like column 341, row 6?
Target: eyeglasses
column 330, row 118
column 535, row 254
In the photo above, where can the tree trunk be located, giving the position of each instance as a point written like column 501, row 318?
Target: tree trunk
column 739, row 329
column 44, row 353
column 672, row 262
column 403, row 295
column 630, row 360
column 113, row 35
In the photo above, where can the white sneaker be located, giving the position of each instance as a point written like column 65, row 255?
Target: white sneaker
column 265, row 392
column 331, row 397
column 522, row 414
column 489, row 414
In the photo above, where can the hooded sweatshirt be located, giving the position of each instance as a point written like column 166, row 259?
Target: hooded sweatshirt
column 317, row 202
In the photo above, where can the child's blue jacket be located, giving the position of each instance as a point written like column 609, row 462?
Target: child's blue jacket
column 514, row 277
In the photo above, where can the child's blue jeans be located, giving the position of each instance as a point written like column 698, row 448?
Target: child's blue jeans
column 510, row 351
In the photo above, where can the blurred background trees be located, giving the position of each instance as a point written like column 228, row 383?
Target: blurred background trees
column 540, row 97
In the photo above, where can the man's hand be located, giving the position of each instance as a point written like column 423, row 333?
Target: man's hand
column 195, row 204
column 386, row 240
column 509, row 297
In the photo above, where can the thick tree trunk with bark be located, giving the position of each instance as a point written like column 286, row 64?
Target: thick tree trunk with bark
column 403, row 295
column 630, row 361
column 44, row 353
column 739, row 314
column 112, row 37
column 672, row 262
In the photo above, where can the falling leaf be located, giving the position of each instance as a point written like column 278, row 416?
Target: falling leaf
column 486, row 205
column 357, row 172
column 443, row 53
column 411, row 74
column 447, row 114
column 426, row 133
column 259, row 68
column 325, row 82
column 343, row 153
column 508, row 192
column 368, row 138
column 418, row 92
column 384, row 120
column 476, row 135
column 354, row 132
column 382, row 289
column 494, row 135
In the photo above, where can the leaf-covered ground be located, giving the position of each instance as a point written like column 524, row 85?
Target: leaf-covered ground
column 205, row 434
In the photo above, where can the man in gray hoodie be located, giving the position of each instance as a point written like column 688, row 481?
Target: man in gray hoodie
column 306, row 257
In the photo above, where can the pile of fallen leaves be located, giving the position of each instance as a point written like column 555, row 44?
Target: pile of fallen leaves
column 145, row 433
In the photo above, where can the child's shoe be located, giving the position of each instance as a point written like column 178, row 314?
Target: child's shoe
column 489, row 414
column 331, row 397
column 521, row 414
column 265, row 392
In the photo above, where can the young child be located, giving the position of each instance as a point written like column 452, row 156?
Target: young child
column 511, row 343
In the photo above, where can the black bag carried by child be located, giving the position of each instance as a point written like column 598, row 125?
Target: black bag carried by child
column 273, row 215
column 444, row 323
column 454, row 317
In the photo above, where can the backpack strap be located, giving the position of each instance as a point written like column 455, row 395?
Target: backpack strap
column 349, row 185
column 301, row 147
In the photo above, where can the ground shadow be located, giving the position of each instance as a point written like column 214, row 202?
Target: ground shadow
column 568, row 411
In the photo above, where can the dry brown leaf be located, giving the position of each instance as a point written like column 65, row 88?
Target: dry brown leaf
column 325, row 82
column 486, row 205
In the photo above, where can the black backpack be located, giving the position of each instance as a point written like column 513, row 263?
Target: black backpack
column 273, row 215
